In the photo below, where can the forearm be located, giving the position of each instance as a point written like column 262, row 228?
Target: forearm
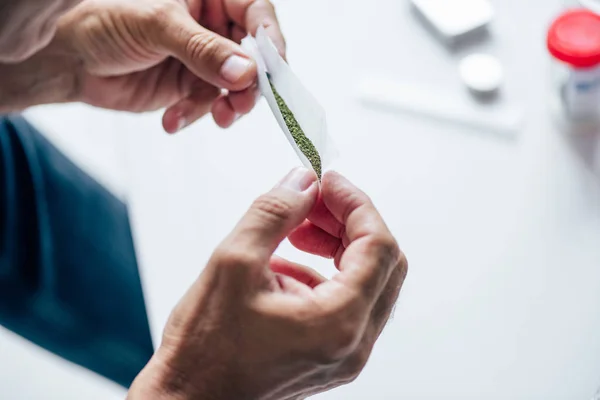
column 50, row 76
column 26, row 26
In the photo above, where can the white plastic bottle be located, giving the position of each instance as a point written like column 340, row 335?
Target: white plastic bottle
column 593, row 5
column 574, row 43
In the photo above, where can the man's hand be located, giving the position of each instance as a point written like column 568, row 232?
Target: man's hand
column 256, row 326
column 26, row 26
column 147, row 54
column 144, row 55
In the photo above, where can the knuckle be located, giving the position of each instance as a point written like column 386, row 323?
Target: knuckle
column 354, row 201
column 160, row 13
column 272, row 208
column 266, row 5
column 403, row 265
column 345, row 340
column 228, row 257
column 355, row 364
column 202, row 44
column 271, row 7
column 338, row 344
column 389, row 251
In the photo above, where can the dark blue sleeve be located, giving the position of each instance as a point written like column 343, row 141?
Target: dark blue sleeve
column 69, row 279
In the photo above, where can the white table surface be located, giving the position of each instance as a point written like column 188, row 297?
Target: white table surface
column 502, row 300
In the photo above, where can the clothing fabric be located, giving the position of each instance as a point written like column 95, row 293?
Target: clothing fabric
column 69, row 279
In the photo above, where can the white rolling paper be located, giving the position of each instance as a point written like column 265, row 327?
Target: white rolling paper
column 308, row 112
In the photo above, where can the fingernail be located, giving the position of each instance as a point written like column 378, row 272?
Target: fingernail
column 299, row 180
column 181, row 123
column 234, row 68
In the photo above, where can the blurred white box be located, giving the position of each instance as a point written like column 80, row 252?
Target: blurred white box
column 454, row 18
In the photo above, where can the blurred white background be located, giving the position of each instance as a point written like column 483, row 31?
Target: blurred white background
column 503, row 296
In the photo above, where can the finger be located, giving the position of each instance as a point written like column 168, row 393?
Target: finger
column 273, row 216
column 324, row 219
column 190, row 108
column 368, row 261
column 229, row 108
column 214, row 17
column 223, row 112
column 314, row 240
column 237, row 34
column 300, row 273
column 250, row 14
column 243, row 102
column 290, row 285
column 195, row 9
column 211, row 57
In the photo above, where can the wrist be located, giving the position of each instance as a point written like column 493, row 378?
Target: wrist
column 153, row 384
column 50, row 76
column 158, row 381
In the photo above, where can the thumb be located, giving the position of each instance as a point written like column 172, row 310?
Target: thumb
column 273, row 216
column 213, row 58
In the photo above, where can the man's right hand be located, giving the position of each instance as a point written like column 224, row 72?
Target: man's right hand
column 146, row 55
column 255, row 326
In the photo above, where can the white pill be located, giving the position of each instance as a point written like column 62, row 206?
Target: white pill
column 481, row 73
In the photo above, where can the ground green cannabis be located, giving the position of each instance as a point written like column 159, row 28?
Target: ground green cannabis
column 304, row 143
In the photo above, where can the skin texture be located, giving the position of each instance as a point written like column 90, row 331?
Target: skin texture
column 26, row 26
column 145, row 55
column 256, row 326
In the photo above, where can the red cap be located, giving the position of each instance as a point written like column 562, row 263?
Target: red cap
column 574, row 38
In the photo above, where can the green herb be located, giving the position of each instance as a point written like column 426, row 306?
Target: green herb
column 304, row 143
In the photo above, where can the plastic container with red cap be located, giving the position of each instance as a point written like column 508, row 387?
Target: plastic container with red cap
column 574, row 42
